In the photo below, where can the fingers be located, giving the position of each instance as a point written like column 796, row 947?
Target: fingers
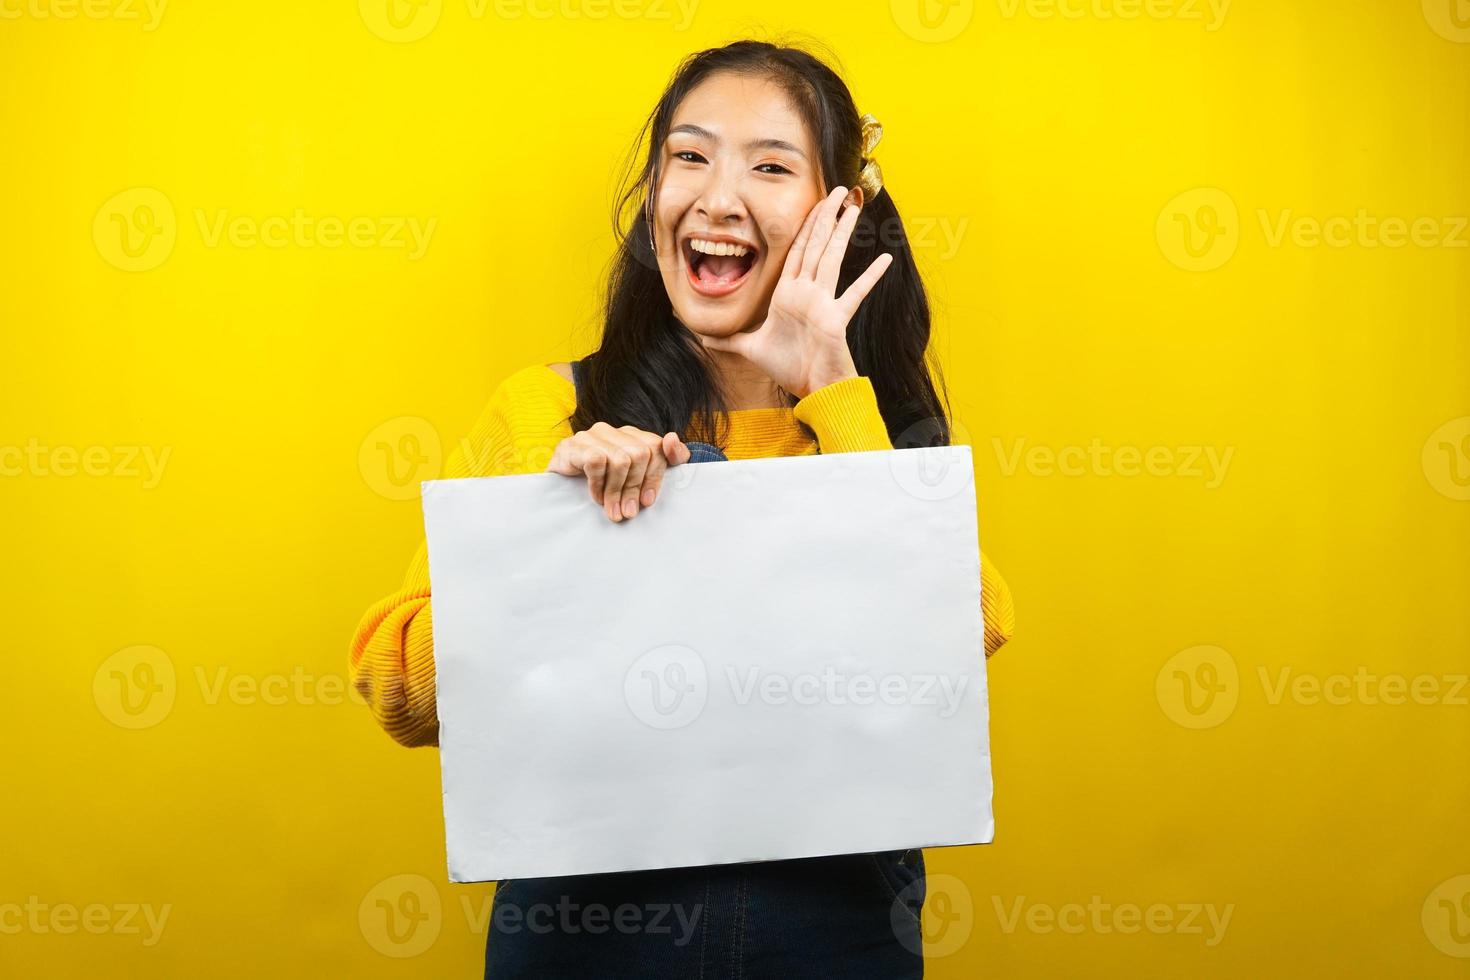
column 642, row 458
column 582, row 453
column 675, row 453
column 863, row 284
column 735, row 343
column 628, row 459
column 624, row 466
column 830, row 265
column 794, row 253
column 674, row 448
column 652, row 456
column 822, row 225
column 606, row 463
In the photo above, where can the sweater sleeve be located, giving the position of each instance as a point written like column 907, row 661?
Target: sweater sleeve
column 845, row 417
column 391, row 655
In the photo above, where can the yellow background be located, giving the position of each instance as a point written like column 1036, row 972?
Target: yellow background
column 1056, row 162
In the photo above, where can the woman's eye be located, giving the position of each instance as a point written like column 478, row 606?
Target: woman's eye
column 690, row 156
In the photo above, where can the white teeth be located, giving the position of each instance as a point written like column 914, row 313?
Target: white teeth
column 717, row 248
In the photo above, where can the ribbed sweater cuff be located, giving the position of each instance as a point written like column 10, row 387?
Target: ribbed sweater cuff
column 845, row 417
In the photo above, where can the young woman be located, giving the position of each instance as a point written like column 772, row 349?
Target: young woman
column 764, row 301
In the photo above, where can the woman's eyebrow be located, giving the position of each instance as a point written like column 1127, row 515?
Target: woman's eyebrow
column 761, row 144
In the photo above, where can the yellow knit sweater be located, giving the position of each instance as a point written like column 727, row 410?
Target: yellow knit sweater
column 392, row 651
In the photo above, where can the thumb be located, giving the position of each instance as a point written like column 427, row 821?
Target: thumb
column 733, row 344
column 674, row 449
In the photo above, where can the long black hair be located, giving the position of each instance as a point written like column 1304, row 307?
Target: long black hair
column 652, row 372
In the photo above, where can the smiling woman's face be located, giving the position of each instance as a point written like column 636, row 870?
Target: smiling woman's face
column 738, row 175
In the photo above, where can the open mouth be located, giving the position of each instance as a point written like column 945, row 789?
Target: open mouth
column 717, row 266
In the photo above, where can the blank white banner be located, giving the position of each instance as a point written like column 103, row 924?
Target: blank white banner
column 781, row 658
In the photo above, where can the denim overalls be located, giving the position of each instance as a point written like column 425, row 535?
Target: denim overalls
column 847, row 917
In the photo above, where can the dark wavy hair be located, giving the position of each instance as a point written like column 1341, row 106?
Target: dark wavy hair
column 652, row 372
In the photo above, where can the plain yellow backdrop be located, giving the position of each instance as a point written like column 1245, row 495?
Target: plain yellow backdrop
column 1200, row 279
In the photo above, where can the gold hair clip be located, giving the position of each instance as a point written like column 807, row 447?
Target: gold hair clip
column 871, row 177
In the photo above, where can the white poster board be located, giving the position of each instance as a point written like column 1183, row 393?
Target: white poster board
column 781, row 658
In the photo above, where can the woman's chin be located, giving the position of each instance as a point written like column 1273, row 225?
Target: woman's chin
column 713, row 323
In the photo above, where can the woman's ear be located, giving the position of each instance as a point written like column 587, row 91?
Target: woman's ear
column 854, row 196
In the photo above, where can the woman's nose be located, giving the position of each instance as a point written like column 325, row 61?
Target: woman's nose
column 720, row 198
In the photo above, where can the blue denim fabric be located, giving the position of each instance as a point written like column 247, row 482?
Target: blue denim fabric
column 849, row 917
column 703, row 452
column 845, row 917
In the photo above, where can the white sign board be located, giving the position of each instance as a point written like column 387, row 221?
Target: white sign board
column 781, row 658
